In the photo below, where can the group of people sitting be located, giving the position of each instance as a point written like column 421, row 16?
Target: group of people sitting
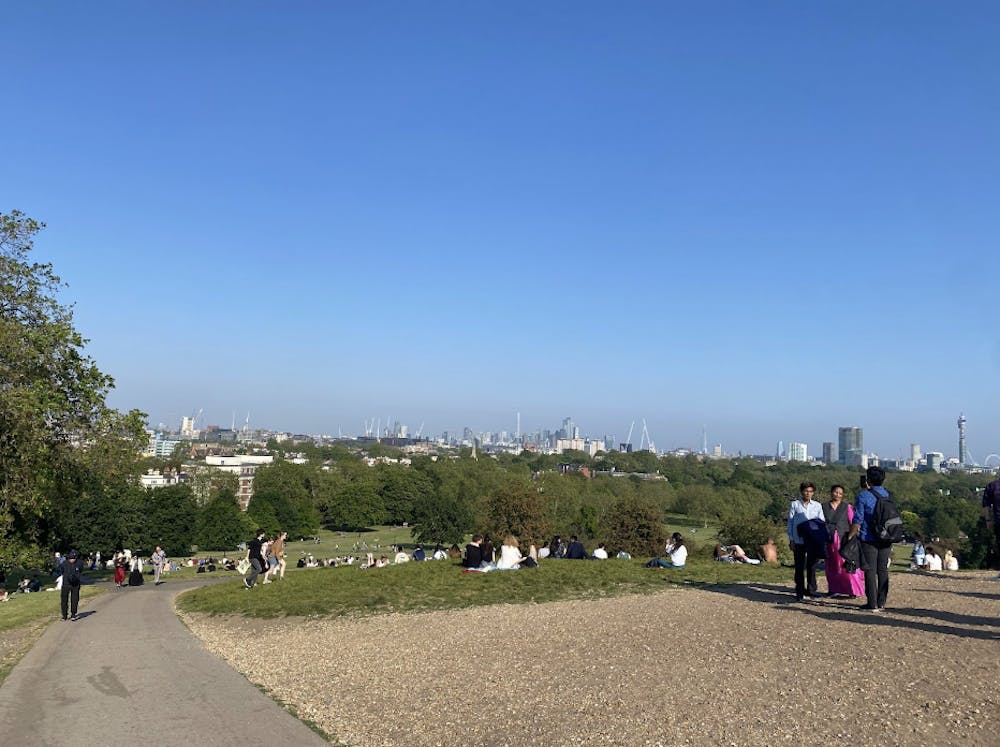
column 927, row 558
column 480, row 555
column 676, row 552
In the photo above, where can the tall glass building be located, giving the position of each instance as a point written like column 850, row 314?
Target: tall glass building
column 851, row 446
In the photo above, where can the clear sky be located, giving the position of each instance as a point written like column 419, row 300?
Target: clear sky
column 769, row 219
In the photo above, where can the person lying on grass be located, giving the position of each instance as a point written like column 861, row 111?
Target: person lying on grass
column 733, row 554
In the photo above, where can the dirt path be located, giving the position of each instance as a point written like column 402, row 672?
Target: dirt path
column 735, row 666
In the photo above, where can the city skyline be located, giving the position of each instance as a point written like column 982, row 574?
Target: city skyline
column 768, row 221
column 387, row 426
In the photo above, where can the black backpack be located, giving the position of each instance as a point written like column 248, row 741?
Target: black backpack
column 887, row 524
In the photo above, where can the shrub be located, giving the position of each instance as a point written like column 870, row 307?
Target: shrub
column 634, row 524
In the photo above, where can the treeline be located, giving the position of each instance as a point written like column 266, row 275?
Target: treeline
column 624, row 504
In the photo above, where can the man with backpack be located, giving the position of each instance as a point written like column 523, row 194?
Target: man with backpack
column 991, row 510
column 69, row 596
column 873, row 510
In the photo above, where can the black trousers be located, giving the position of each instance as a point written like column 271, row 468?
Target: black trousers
column 256, row 568
column 806, row 557
column 68, row 592
column 875, row 564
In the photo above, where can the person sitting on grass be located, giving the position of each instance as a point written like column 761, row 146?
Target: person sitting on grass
column 401, row 556
column 473, row 552
column 675, row 551
column 419, row 554
column 932, row 561
column 575, row 549
column 510, row 555
column 919, row 553
column 769, row 551
column 950, row 561
column 600, row 552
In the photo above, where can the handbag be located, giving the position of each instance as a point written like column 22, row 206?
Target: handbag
column 243, row 566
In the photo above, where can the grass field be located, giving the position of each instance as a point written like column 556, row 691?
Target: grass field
column 23, row 609
column 435, row 585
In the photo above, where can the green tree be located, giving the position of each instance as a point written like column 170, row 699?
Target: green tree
column 52, row 396
column 285, row 486
column 170, row 520
column 518, row 509
column 635, row 524
column 443, row 519
column 399, row 487
column 221, row 523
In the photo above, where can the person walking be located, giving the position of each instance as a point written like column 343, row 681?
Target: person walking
column 69, row 594
column 257, row 560
column 807, row 538
column 158, row 558
column 276, row 558
column 119, row 561
column 875, row 553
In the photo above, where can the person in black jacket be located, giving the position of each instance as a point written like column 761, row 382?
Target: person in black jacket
column 256, row 557
column 473, row 553
column 575, row 549
column 70, row 592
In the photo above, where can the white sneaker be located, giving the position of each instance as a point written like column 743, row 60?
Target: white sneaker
column 267, row 580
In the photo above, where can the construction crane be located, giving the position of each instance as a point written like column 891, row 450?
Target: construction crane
column 420, row 430
column 628, row 438
column 646, row 439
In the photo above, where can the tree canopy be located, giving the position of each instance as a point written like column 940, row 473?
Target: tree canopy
column 56, row 431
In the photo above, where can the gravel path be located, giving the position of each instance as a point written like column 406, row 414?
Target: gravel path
column 735, row 666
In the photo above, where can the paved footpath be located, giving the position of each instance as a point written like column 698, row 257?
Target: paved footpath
column 129, row 673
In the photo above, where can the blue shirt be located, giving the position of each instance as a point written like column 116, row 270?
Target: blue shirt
column 864, row 511
column 798, row 513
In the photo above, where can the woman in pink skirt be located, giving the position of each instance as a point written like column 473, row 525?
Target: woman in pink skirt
column 839, row 514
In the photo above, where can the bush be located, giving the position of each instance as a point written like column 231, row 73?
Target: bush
column 635, row 524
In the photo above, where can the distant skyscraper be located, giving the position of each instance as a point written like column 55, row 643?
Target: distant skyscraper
column 963, row 454
column 915, row 453
column 797, row 452
column 779, row 451
column 828, row 456
column 851, row 446
column 569, row 428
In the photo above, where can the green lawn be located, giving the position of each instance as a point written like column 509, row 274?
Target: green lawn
column 22, row 609
column 434, row 585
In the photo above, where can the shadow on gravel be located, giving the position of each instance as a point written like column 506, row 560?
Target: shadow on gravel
column 890, row 620
column 769, row 593
column 974, row 594
column 842, row 610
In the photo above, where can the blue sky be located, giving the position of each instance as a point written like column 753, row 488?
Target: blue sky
column 770, row 219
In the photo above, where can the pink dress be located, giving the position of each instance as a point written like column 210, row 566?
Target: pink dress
column 838, row 581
